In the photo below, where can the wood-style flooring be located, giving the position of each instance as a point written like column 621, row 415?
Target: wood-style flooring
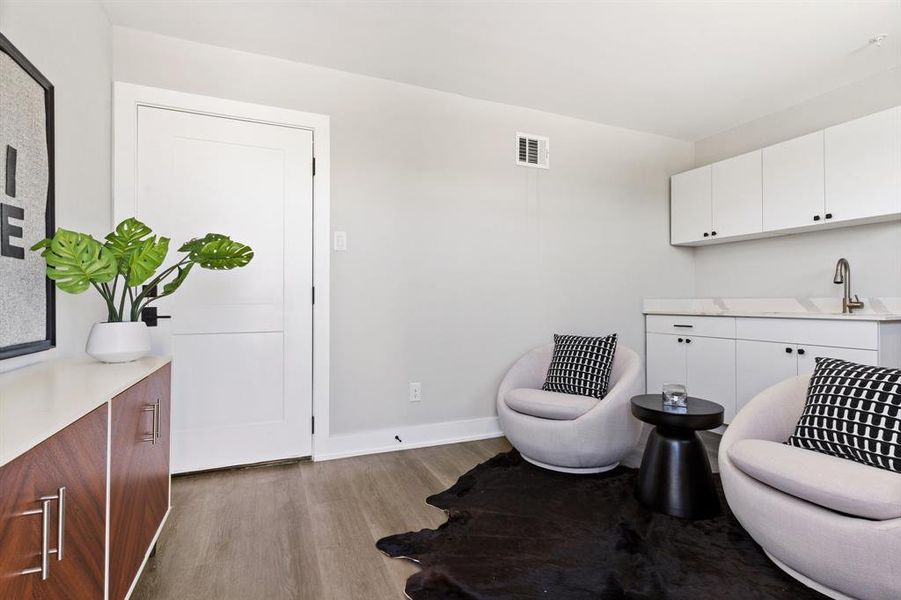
column 307, row 531
column 304, row 531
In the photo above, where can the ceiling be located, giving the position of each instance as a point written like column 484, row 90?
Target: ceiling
column 681, row 69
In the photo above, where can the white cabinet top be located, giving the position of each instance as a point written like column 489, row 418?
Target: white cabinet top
column 41, row 400
column 875, row 309
column 779, row 315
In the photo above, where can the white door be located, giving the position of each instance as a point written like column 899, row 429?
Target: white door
column 807, row 356
column 711, row 372
column 690, row 206
column 736, row 195
column 666, row 361
column 863, row 166
column 760, row 365
column 241, row 340
column 793, row 189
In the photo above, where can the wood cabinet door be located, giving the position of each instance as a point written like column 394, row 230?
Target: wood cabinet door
column 760, row 365
column 139, row 476
column 690, row 206
column 793, row 188
column 737, row 196
column 666, row 361
column 74, row 458
column 710, row 368
column 863, row 166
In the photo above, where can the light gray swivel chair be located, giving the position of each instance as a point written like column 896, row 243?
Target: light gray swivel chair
column 829, row 522
column 562, row 432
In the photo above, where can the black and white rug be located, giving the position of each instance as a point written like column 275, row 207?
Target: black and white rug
column 515, row 531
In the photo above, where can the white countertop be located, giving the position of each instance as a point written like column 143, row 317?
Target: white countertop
column 41, row 400
column 875, row 309
column 778, row 315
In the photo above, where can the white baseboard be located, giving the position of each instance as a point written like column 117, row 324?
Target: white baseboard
column 416, row 436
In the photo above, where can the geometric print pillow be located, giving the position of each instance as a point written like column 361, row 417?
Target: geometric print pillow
column 581, row 365
column 853, row 411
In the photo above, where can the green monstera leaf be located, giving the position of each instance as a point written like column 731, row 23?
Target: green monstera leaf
column 129, row 236
column 77, row 260
column 179, row 279
column 146, row 259
column 218, row 252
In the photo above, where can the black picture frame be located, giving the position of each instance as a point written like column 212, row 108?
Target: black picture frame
column 49, row 341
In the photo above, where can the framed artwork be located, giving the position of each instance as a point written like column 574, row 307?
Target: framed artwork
column 27, row 296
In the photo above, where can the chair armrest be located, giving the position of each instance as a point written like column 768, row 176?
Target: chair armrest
column 529, row 371
column 771, row 415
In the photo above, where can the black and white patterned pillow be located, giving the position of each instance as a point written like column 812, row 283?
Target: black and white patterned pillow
column 581, row 365
column 853, row 411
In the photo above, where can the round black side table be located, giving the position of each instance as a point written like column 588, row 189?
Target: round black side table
column 675, row 476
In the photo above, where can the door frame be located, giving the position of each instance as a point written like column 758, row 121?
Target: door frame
column 127, row 97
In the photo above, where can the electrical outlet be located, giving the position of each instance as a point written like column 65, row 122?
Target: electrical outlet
column 340, row 241
column 415, row 391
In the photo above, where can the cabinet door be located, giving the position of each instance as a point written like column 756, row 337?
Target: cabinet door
column 711, row 372
column 793, row 188
column 737, row 196
column 863, row 166
column 690, row 206
column 666, row 361
column 74, row 458
column 807, row 356
column 760, row 365
column 139, row 476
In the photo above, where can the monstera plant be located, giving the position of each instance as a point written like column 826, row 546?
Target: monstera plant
column 123, row 269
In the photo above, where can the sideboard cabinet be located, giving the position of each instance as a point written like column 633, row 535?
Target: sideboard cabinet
column 58, row 537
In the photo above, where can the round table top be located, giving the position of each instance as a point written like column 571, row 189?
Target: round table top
column 697, row 415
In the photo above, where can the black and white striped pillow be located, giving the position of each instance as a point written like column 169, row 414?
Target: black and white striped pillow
column 581, row 365
column 853, row 411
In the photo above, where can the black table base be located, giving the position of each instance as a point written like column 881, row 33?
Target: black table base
column 675, row 476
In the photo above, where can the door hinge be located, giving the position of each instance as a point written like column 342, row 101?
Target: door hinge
column 312, row 424
column 314, row 166
column 314, row 294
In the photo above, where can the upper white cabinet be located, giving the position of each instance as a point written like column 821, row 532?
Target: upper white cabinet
column 691, row 210
column 843, row 175
column 793, row 187
column 863, row 166
column 736, row 196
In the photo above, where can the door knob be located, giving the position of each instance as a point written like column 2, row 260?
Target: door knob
column 801, row 351
column 788, row 350
column 150, row 316
column 816, row 217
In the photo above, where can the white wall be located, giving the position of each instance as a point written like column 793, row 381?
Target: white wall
column 69, row 42
column 458, row 260
column 803, row 265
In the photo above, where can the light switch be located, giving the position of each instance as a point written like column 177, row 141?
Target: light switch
column 340, row 241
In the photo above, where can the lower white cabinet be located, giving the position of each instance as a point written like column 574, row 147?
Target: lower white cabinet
column 706, row 366
column 729, row 360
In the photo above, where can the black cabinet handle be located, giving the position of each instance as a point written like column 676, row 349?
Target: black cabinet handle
column 687, row 341
column 679, row 340
column 685, row 326
column 801, row 351
column 828, row 215
column 788, row 350
column 816, row 217
column 712, row 233
column 706, row 234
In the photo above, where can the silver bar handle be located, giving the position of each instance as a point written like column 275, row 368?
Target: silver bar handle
column 61, row 523
column 158, row 420
column 153, row 435
column 44, row 569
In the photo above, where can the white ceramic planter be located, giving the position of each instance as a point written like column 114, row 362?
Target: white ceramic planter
column 118, row 342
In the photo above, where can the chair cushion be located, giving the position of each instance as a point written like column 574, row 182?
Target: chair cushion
column 831, row 482
column 581, row 365
column 853, row 411
column 548, row 405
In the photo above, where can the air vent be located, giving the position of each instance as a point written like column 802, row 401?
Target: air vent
column 531, row 150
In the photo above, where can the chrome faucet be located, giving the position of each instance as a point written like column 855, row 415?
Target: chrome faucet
column 843, row 275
